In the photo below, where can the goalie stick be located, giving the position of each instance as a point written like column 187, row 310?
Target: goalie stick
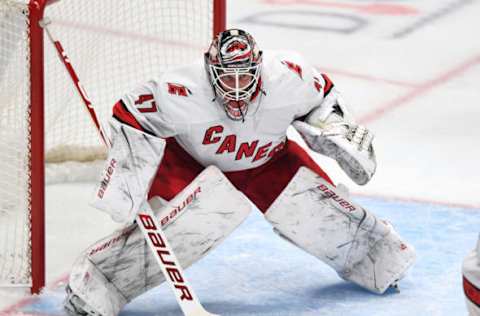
column 146, row 220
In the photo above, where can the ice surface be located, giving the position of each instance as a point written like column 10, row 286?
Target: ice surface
column 255, row 272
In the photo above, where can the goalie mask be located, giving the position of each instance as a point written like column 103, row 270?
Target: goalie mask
column 233, row 63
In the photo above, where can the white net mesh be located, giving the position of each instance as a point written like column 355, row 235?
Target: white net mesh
column 113, row 45
column 14, row 145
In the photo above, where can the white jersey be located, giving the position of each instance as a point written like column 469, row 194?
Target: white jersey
column 181, row 104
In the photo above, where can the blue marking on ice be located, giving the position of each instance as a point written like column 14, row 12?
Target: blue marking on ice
column 254, row 272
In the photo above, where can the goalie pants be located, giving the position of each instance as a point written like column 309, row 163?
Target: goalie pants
column 261, row 185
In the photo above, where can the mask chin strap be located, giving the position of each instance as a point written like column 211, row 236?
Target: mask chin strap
column 241, row 112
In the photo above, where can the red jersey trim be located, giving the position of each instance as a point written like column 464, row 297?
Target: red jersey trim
column 121, row 113
column 328, row 85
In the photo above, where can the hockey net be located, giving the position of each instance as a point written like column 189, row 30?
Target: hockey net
column 113, row 45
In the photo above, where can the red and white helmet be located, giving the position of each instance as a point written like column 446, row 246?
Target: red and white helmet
column 233, row 63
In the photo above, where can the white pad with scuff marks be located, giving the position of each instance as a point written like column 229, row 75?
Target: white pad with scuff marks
column 316, row 217
column 195, row 222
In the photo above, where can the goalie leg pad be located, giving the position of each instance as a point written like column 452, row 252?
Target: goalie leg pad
column 90, row 293
column 319, row 219
column 195, row 222
column 471, row 280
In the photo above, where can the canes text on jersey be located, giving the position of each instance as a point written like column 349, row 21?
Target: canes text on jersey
column 228, row 144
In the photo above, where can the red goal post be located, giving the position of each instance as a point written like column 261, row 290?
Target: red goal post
column 113, row 45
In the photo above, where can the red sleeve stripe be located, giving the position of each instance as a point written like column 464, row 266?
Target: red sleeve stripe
column 328, row 85
column 121, row 113
column 471, row 292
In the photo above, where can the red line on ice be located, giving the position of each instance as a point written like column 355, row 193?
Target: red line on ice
column 368, row 8
column 420, row 90
column 367, row 77
column 13, row 309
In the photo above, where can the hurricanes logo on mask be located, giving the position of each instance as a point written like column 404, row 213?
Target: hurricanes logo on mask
column 236, row 46
column 235, row 50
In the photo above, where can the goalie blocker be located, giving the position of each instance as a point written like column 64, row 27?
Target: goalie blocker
column 314, row 216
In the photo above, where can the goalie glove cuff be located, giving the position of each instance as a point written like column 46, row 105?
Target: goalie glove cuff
column 350, row 145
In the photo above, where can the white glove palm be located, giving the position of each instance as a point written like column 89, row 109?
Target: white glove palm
column 349, row 144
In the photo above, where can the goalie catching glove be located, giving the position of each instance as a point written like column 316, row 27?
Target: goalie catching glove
column 330, row 131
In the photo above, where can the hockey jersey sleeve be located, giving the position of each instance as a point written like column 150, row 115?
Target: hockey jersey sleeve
column 328, row 98
column 142, row 109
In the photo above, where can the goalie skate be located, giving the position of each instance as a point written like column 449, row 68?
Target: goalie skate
column 75, row 306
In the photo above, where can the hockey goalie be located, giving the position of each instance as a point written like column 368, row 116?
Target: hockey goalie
column 203, row 142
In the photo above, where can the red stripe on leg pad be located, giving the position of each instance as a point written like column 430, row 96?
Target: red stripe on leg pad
column 471, row 292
